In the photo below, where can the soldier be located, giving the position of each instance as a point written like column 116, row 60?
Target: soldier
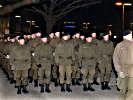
column 9, row 70
column 87, row 56
column 106, row 49
column 20, row 59
column 44, row 59
column 95, row 41
column 76, row 69
column 123, row 61
column 55, row 40
column 33, row 72
column 65, row 57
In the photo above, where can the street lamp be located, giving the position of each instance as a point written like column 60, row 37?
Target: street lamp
column 1, row 6
column 123, row 12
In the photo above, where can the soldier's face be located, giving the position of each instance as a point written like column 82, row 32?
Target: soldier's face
column 57, row 34
column 33, row 36
column 89, row 39
column 28, row 36
column 93, row 35
column 51, row 35
column 44, row 40
column 106, row 37
column 82, row 37
column 21, row 41
column 128, row 37
column 73, row 36
column 38, row 34
column 66, row 37
column 12, row 40
column 77, row 35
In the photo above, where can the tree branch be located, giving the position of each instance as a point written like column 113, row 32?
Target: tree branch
column 9, row 8
column 62, row 14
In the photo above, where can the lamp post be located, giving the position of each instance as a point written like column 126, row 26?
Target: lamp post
column 123, row 12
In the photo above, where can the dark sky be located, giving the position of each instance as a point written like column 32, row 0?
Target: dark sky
column 103, row 14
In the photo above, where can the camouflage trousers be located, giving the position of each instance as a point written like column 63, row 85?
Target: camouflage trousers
column 21, row 77
column 44, row 73
column 105, row 68
column 88, row 73
column 65, row 70
column 33, row 72
column 76, row 72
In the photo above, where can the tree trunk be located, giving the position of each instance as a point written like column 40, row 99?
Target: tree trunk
column 50, row 22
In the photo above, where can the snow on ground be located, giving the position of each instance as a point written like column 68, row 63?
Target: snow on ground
column 8, row 92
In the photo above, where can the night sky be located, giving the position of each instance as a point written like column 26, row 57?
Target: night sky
column 103, row 14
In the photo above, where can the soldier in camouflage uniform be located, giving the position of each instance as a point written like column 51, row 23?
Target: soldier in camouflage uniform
column 95, row 41
column 20, row 60
column 88, row 57
column 33, row 72
column 105, row 51
column 54, row 42
column 44, row 59
column 76, row 69
column 65, row 57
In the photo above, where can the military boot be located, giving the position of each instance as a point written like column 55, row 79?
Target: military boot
column 102, row 86
column 78, row 82
column 62, row 88
column 42, row 88
column 47, row 88
column 90, row 88
column 95, row 82
column 24, row 89
column 30, row 79
column 11, row 80
column 35, row 83
column 56, row 82
column 85, row 87
column 107, row 86
column 73, row 81
column 19, row 89
column 68, row 88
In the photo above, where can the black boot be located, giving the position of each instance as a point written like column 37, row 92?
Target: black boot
column 78, row 82
column 107, row 86
column 62, row 88
column 47, row 88
column 95, row 82
column 56, row 82
column 25, row 89
column 19, row 89
column 102, row 86
column 30, row 79
column 85, row 87
column 73, row 81
column 42, row 88
column 11, row 80
column 68, row 88
column 35, row 83
column 90, row 88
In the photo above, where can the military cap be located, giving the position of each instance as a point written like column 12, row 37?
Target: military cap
column 44, row 35
column 126, row 32
column 21, row 37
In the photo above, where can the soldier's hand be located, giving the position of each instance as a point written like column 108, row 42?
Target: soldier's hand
column 7, row 56
column 33, row 54
column 39, row 66
column 122, row 75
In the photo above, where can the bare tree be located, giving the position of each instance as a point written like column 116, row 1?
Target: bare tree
column 54, row 10
column 10, row 7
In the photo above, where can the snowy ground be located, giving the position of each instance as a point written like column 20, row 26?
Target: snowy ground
column 8, row 92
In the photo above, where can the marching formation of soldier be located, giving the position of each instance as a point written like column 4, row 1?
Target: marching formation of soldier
column 57, row 57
